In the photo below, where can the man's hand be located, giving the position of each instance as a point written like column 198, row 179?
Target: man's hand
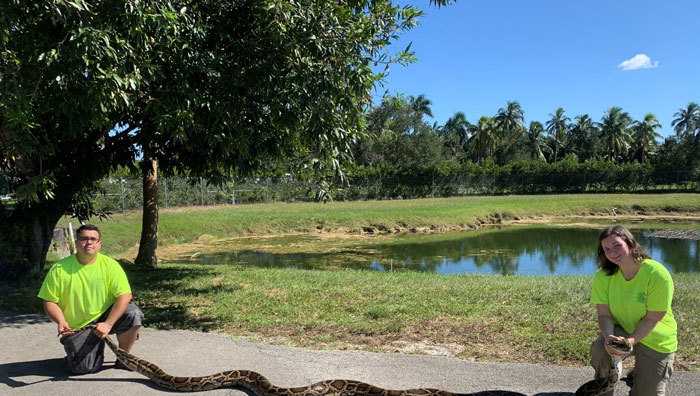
column 64, row 329
column 102, row 329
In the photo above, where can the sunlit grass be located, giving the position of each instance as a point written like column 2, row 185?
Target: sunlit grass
column 186, row 224
column 532, row 319
column 529, row 319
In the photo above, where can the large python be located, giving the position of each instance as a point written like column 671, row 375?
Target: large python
column 261, row 386
column 601, row 386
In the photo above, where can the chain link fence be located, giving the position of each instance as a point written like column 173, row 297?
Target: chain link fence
column 121, row 194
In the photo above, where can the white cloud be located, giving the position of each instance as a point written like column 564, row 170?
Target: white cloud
column 639, row 61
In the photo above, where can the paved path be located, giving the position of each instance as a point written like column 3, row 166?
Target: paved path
column 31, row 364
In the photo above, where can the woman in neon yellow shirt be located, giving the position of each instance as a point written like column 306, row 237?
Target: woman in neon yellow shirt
column 632, row 294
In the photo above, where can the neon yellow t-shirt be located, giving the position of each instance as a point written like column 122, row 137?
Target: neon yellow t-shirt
column 84, row 292
column 651, row 289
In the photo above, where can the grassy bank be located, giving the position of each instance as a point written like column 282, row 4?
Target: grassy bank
column 528, row 319
column 510, row 318
column 187, row 224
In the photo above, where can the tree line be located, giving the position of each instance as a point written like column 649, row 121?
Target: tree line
column 401, row 155
column 398, row 135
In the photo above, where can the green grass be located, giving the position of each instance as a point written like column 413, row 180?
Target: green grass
column 528, row 319
column 187, row 224
column 531, row 319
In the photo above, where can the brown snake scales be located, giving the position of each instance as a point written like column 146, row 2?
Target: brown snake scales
column 258, row 385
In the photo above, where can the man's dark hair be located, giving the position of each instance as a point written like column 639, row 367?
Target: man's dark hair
column 88, row 227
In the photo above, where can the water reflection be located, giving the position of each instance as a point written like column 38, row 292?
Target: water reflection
column 515, row 250
column 678, row 254
column 532, row 251
column 507, row 251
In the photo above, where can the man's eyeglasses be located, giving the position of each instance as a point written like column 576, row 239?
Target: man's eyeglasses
column 88, row 239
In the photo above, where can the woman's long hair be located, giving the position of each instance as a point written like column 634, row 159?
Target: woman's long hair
column 636, row 249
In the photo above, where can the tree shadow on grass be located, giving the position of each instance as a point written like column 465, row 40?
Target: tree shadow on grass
column 152, row 287
column 20, row 296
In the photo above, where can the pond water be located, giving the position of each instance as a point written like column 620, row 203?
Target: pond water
column 533, row 251
column 519, row 250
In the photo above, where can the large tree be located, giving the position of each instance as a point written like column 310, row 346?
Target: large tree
column 644, row 139
column 210, row 87
column 510, row 118
column 686, row 122
column 421, row 106
column 510, row 126
column 582, row 137
column 534, row 142
column 615, row 133
column 398, row 136
column 557, row 126
column 456, row 134
column 484, row 140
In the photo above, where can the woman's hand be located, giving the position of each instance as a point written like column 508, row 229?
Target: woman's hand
column 618, row 351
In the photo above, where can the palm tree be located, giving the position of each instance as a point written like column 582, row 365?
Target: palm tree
column 421, row 105
column 557, row 127
column 482, row 142
column 615, row 133
column 582, row 136
column 417, row 107
column 510, row 119
column 509, row 122
column 535, row 141
column 687, row 122
column 456, row 132
column 645, row 136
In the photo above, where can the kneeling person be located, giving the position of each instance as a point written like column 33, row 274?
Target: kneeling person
column 89, row 288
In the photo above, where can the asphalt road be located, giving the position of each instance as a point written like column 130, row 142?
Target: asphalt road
column 31, row 364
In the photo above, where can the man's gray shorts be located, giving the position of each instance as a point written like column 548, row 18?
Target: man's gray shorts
column 85, row 350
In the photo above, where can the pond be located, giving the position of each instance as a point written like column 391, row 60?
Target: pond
column 514, row 250
column 534, row 251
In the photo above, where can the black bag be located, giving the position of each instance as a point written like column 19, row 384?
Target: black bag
column 84, row 351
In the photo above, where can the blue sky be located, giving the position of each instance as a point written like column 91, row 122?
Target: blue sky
column 475, row 55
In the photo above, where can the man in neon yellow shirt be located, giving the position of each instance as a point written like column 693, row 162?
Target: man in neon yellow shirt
column 90, row 288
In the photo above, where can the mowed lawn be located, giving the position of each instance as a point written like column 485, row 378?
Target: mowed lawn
column 179, row 225
column 543, row 319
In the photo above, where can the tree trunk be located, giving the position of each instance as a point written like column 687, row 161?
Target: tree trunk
column 149, row 228
column 25, row 237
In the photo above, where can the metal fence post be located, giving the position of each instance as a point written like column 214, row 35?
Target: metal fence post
column 71, row 239
column 165, row 192
column 201, row 189
column 123, row 194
